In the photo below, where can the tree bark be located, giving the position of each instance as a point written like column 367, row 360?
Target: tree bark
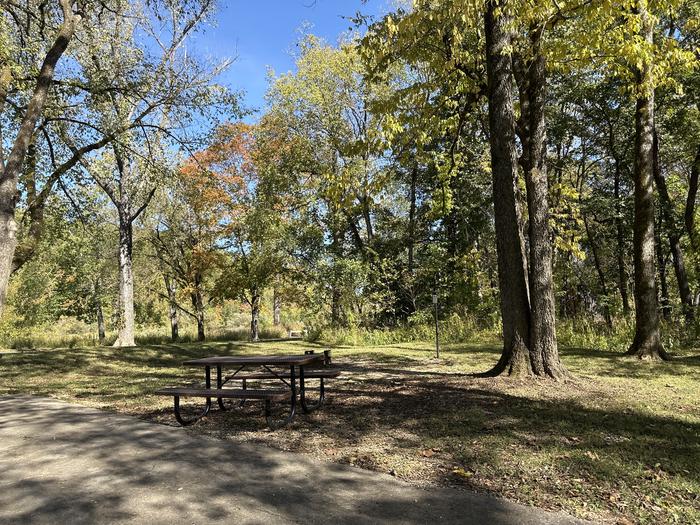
column 198, row 307
column 171, row 289
column 514, row 302
column 679, row 271
column 674, row 240
column 620, row 238
column 125, row 335
column 355, row 231
column 11, row 169
column 544, row 353
column 122, row 200
column 99, row 314
column 664, row 303
column 367, row 217
column 647, row 337
column 254, row 315
column 690, row 201
column 600, row 272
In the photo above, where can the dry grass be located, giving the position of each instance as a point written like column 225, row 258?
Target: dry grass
column 620, row 442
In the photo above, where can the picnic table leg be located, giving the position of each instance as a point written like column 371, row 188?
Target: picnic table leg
column 186, row 422
column 245, row 387
column 292, row 408
column 207, row 382
column 219, row 384
column 309, row 407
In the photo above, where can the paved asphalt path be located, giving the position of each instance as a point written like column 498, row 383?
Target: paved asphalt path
column 62, row 463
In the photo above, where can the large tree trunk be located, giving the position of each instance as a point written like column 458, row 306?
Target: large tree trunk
column 254, row 315
column 690, row 201
column 515, row 308
column 8, row 243
column 125, row 336
column 620, row 238
column 544, row 352
column 122, row 200
column 674, row 240
column 647, row 337
column 10, row 170
column 172, row 307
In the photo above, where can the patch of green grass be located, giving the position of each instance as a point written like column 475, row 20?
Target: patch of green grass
column 621, row 439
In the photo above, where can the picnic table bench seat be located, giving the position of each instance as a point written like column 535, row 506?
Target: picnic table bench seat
column 226, row 393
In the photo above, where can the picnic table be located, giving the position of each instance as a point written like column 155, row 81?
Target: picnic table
column 285, row 370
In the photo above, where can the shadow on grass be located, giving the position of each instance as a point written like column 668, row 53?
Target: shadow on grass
column 688, row 360
column 601, row 444
column 605, row 450
column 617, row 364
column 572, row 447
column 447, row 407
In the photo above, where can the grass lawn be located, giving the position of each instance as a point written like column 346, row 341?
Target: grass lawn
column 619, row 443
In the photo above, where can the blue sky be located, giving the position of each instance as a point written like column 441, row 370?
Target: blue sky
column 261, row 34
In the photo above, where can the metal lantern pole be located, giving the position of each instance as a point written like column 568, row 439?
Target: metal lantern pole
column 437, row 328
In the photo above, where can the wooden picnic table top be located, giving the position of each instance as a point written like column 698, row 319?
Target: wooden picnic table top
column 272, row 360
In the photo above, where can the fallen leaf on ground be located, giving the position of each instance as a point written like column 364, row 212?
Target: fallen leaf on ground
column 462, row 473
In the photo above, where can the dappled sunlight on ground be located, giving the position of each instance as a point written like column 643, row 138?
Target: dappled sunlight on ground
column 620, row 439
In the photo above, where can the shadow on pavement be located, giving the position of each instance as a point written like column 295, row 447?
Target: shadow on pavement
column 64, row 463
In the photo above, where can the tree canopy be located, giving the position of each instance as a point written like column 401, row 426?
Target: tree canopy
column 531, row 164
